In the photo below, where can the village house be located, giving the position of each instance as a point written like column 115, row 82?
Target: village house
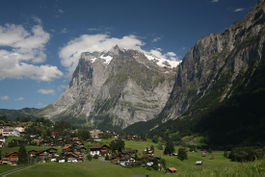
column 2, row 141
column 149, row 151
column 32, row 153
column 10, row 131
column 54, row 134
column 95, row 133
column 150, row 160
column 126, row 160
column 52, row 150
column 76, row 139
column 199, row 162
column 43, row 155
column 99, row 149
column 20, row 128
column 73, row 157
column 11, row 158
column 171, row 170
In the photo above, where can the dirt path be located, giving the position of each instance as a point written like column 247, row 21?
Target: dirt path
column 15, row 170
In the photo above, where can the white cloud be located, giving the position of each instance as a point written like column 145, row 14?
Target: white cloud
column 169, row 55
column 20, row 99
column 214, row 1
column 239, row 9
column 4, row 98
column 22, row 50
column 71, row 52
column 46, row 91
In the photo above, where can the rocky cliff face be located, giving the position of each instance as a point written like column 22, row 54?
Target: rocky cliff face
column 117, row 87
column 216, row 68
column 218, row 64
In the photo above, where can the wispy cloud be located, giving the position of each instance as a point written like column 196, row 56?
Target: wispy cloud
column 40, row 105
column 214, row 1
column 37, row 19
column 92, row 29
column 20, row 99
column 4, row 98
column 64, row 30
column 61, row 11
column 61, row 87
column 239, row 9
column 156, row 39
column 46, row 91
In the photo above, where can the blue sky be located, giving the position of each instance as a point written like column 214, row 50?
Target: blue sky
column 41, row 40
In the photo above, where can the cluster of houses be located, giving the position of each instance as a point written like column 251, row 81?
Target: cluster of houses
column 73, row 152
column 6, row 131
column 127, row 158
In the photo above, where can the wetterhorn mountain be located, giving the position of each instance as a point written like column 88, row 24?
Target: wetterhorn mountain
column 117, row 87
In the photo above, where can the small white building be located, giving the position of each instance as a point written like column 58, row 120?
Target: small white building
column 10, row 131
column 199, row 162
column 19, row 128
column 61, row 161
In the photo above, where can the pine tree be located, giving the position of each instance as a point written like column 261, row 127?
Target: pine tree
column 169, row 149
column 22, row 155
column 182, row 154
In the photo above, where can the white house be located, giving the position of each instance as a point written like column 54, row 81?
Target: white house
column 199, row 162
column 10, row 131
column 20, row 128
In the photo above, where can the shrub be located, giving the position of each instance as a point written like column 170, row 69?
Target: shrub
column 89, row 157
column 244, row 154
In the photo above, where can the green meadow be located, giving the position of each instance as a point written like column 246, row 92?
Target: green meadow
column 219, row 167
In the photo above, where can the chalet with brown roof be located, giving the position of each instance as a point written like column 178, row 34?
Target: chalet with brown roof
column 99, row 149
column 11, row 158
column 77, row 139
column 67, row 146
column 73, row 157
column 52, row 150
column 171, row 170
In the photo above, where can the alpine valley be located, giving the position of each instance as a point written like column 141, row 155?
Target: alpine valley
column 217, row 91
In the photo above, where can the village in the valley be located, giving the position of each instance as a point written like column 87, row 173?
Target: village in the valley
column 59, row 142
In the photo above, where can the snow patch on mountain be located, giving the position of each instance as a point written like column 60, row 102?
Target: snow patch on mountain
column 162, row 61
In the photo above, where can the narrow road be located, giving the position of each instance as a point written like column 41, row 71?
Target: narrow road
column 5, row 174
